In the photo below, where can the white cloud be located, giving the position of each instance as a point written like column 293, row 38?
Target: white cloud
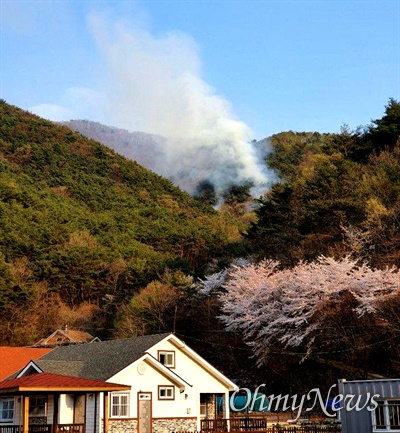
column 75, row 103
column 52, row 112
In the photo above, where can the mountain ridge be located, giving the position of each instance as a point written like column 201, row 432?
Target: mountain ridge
column 82, row 225
column 146, row 146
column 188, row 163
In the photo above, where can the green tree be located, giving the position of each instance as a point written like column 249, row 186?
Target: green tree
column 154, row 308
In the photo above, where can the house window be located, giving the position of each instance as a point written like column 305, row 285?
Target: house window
column 166, row 393
column 203, row 410
column 6, row 409
column 203, row 405
column 167, row 358
column 386, row 416
column 37, row 406
column 119, row 405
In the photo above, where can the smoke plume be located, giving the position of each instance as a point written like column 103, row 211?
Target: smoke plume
column 154, row 85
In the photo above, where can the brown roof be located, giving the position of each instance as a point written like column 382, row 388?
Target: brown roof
column 50, row 382
column 12, row 359
column 79, row 336
column 63, row 337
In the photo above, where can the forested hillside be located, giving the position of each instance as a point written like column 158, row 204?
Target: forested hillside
column 93, row 240
column 83, row 230
column 325, row 301
column 146, row 149
column 337, row 193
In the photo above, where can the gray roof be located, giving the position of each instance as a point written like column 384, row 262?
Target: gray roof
column 98, row 360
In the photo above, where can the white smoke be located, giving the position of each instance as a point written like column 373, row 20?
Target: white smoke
column 154, row 85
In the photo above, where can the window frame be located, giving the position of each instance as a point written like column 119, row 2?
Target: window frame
column 2, row 409
column 33, row 403
column 165, row 388
column 167, row 353
column 120, row 405
column 383, row 414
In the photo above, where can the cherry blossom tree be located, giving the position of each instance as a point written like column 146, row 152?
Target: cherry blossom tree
column 214, row 282
column 271, row 306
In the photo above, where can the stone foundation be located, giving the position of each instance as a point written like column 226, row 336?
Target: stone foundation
column 122, row 426
column 160, row 425
column 210, row 406
column 174, row 425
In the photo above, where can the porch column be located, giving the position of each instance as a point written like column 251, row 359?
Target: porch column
column 198, row 410
column 56, row 398
column 105, row 412
column 227, row 412
column 25, row 421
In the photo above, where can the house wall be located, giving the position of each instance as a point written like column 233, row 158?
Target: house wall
column 190, row 370
column 159, row 425
column 211, row 406
column 123, row 426
column 18, row 412
column 174, row 425
column 186, row 403
column 66, row 412
column 356, row 421
column 202, row 381
column 182, row 405
column 182, row 413
column 93, row 412
column 66, row 409
column 50, row 409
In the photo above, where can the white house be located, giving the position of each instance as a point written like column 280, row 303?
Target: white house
column 172, row 388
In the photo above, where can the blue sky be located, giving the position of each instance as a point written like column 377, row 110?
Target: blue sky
column 268, row 66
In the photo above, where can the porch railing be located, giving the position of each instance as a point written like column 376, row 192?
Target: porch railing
column 218, row 424
column 71, row 428
column 45, row 428
column 33, row 428
column 10, row 429
column 244, row 424
column 259, row 425
column 40, row 428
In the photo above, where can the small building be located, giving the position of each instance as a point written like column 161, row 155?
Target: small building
column 370, row 406
column 65, row 337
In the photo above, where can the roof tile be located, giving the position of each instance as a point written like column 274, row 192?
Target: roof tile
column 100, row 360
column 12, row 359
column 52, row 381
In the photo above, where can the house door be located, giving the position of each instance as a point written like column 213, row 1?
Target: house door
column 144, row 412
column 79, row 409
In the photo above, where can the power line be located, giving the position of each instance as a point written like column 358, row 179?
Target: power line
column 291, row 353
